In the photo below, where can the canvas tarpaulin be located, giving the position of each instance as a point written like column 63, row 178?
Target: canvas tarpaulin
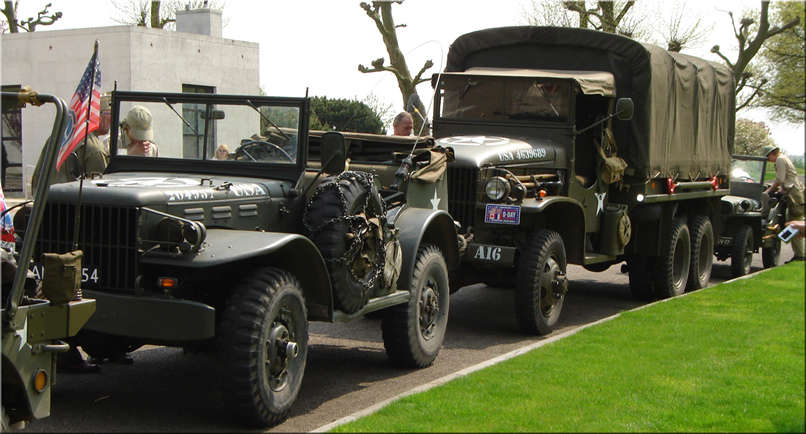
column 684, row 106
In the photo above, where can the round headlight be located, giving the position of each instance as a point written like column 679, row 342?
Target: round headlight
column 497, row 188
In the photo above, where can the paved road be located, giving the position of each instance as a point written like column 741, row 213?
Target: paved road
column 347, row 367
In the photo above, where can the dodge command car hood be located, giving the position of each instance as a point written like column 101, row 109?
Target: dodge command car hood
column 150, row 189
column 479, row 150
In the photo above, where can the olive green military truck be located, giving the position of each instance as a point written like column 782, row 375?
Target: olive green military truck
column 34, row 326
column 574, row 146
column 236, row 255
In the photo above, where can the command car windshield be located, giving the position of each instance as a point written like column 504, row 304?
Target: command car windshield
column 524, row 100
column 248, row 131
column 747, row 171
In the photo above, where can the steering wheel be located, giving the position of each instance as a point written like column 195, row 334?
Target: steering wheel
column 258, row 150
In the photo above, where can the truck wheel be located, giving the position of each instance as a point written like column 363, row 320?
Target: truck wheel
column 670, row 271
column 702, row 253
column 741, row 254
column 262, row 346
column 345, row 220
column 413, row 332
column 771, row 256
column 640, row 269
column 541, row 282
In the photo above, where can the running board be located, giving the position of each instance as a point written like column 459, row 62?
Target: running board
column 374, row 304
column 595, row 258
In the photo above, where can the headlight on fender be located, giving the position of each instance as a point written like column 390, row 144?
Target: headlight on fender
column 497, row 188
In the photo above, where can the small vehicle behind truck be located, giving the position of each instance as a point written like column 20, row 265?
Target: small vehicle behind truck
column 751, row 218
column 575, row 146
column 235, row 256
column 34, row 326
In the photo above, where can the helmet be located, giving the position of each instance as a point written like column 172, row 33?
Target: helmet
column 768, row 149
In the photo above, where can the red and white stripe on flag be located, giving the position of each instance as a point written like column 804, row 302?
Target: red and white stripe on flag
column 88, row 92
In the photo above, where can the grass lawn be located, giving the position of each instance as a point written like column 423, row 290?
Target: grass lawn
column 726, row 359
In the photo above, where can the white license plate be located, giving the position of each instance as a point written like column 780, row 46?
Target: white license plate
column 503, row 214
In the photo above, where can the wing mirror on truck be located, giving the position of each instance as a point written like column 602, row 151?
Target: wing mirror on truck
column 334, row 152
column 412, row 104
column 624, row 112
column 624, row 109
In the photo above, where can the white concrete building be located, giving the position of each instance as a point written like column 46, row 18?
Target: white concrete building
column 195, row 58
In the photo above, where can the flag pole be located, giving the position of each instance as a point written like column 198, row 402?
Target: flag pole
column 86, row 133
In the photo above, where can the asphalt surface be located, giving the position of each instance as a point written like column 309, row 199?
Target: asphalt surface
column 347, row 368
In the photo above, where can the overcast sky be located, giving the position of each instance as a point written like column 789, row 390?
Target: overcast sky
column 318, row 44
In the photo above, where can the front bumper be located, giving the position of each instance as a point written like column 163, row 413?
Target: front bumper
column 151, row 318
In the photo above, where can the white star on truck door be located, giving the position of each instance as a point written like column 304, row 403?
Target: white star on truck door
column 435, row 200
column 600, row 202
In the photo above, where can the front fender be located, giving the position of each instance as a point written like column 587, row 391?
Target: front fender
column 291, row 252
column 421, row 225
column 563, row 215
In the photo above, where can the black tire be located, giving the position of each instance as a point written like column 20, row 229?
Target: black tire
column 702, row 253
column 741, row 252
column 413, row 332
column 541, row 282
column 771, row 256
column 670, row 270
column 640, row 274
column 262, row 347
column 338, row 220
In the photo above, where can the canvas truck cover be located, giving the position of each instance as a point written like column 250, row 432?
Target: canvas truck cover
column 684, row 106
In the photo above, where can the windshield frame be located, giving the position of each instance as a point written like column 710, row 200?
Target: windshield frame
column 568, row 112
column 120, row 162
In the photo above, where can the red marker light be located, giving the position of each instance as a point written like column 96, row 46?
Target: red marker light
column 715, row 182
column 670, row 185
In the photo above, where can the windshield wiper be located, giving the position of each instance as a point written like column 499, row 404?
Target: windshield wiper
column 464, row 92
column 268, row 120
column 546, row 96
column 180, row 116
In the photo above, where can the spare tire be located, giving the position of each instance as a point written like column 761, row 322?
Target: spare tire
column 345, row 219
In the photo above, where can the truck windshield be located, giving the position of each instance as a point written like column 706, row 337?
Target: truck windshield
column 247, row 132
column 525, row 100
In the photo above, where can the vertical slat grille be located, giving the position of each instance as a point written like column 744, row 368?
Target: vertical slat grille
column 462, row 194
column 107, row 236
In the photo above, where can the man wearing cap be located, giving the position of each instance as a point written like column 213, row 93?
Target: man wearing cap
column 137, row 133
column 92, row 156
column 786, row 179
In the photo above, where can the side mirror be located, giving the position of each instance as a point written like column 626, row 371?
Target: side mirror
column 334, row 152
column 624, row 109
column 414, row 102
column 214, row 114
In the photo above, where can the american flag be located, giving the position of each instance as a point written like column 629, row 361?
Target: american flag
column 89, row 89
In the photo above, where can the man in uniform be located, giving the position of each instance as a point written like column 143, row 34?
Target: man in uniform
column 786, row 180
column 92, row 156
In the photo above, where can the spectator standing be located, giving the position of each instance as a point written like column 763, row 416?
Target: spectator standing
column 787, row 182
column 403, row 124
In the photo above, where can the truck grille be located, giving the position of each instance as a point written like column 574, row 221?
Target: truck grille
column 107, row 236
column 462, row 194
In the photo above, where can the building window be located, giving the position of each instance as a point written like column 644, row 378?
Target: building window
column 194, row 135
column 12, row 142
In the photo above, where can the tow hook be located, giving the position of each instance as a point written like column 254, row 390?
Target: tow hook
column 559, row 286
